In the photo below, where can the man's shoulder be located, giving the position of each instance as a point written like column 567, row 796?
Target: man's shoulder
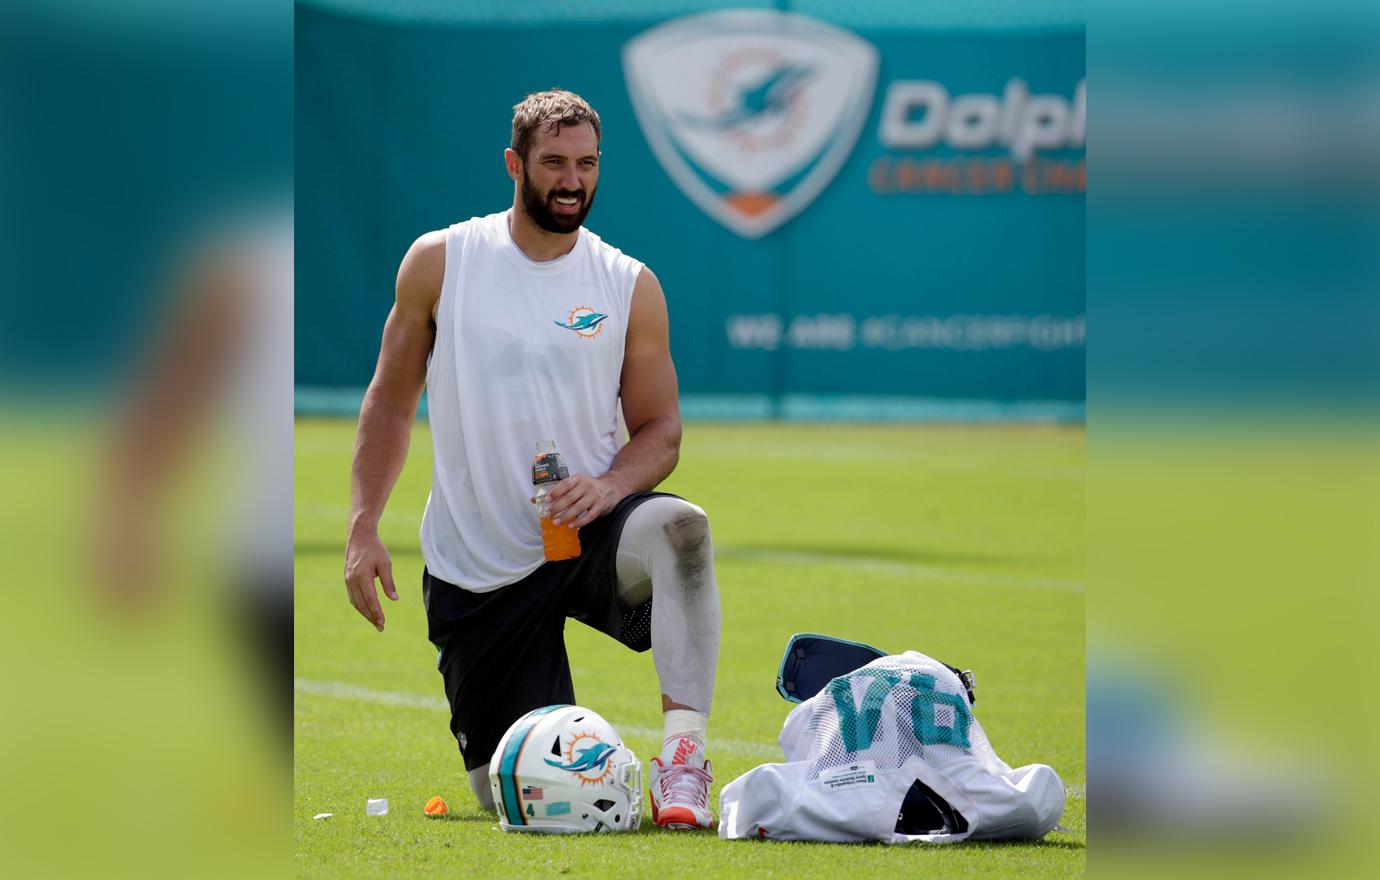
column 483, row 230
column 611, row 255
column 473, row 224
column 483, row 221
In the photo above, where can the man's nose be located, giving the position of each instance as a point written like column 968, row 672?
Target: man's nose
column 570, row 178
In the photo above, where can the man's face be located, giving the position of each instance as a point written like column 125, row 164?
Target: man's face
column 560, row 176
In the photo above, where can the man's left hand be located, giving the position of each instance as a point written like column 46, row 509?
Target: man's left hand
column 581, row 499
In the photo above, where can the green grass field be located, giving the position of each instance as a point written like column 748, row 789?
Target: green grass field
column 964, row 543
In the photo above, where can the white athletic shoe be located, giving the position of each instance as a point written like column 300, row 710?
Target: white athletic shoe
column 679, row 779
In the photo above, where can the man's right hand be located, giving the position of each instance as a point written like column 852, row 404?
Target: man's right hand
column 366, row 559
column 385, row 420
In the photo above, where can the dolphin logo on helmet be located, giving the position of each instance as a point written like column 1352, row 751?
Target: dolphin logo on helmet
column 593, row 758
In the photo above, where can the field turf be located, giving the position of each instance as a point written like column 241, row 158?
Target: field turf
column 965, row 543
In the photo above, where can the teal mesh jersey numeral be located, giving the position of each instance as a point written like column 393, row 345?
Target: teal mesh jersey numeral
column 922, row 714
column 859, row 726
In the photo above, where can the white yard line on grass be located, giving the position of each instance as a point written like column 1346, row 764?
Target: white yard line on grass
column 873, row 565
column 868, row 564
column 341, row 513
column 342, row 691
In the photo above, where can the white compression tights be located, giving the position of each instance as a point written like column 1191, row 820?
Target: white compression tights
column 666, row 543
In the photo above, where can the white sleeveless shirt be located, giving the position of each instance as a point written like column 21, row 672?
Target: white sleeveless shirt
column 524, row 352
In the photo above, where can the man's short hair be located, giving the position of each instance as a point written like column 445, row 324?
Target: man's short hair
column 548, row 111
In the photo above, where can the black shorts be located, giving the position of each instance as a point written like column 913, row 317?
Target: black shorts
column 502, row 653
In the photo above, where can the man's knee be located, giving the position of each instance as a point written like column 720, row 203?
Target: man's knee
column 687, row 532
column 479, row 781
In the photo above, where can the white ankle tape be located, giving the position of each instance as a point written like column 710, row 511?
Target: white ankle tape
column 685, row 722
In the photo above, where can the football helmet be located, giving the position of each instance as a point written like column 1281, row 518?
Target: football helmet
column 564, row 770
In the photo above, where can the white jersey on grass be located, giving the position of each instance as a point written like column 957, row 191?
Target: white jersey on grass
column 856, row 747
column 524, row 352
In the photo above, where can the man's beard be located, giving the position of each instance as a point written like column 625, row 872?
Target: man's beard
column 543, row 211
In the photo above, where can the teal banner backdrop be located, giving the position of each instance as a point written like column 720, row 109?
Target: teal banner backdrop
column 853, row 215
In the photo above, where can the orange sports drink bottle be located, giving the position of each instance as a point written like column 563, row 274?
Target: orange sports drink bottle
column 557, row 541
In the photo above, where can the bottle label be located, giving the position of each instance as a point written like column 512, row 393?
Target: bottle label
column 548, row 468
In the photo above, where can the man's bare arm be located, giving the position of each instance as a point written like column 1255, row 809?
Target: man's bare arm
column 385, row 420
column 174, row 397
column 651, row 406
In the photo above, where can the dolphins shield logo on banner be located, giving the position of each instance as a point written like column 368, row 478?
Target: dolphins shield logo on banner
column 751, row 112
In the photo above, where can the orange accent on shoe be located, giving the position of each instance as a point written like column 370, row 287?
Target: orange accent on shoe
column 676, row 817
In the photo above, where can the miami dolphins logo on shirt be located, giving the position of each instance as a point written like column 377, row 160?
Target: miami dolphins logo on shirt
column 586, row 322
column 587, row 757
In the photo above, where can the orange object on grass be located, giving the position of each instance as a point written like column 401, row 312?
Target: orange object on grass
column 435, row 807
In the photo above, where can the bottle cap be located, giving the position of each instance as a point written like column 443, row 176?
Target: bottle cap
column 546, row 447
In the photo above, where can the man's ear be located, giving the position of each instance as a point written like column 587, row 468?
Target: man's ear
column 513, row 162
